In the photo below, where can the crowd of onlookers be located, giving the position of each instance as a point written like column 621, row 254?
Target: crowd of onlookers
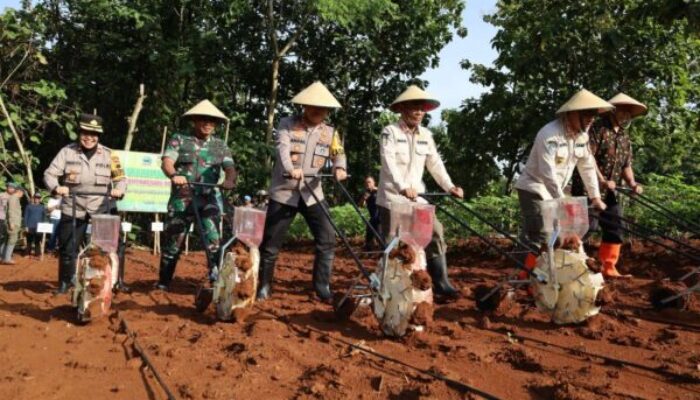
column 19, row 222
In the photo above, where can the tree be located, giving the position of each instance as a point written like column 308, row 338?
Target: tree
column 550, row 49
column 31, row 107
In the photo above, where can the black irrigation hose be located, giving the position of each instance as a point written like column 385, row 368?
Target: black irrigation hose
column 144, row 356
column 435, row 375
column 607, row 359
column 684, row 325
column 648, row 238
column 660, row 210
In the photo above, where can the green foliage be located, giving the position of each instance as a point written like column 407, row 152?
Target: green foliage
column 669, row 191
column 345, row 217
column 550, row 49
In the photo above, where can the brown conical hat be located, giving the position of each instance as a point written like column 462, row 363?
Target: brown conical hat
column 205, row 108
column 636, row 108
column 316, row 95
column 414, row 93
column 585, row 100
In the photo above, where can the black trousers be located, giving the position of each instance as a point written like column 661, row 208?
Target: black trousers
column 609, row 220
column 66, row 260
column 280, row 217
column 370, row 239
column 33, row 242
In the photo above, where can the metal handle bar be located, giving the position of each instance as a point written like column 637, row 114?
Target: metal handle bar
column 289, row 176
column 660, row 210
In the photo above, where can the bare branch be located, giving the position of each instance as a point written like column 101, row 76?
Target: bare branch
column 19, row 64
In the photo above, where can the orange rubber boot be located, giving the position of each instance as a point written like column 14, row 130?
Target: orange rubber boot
column 530, row 263
column 608, row 254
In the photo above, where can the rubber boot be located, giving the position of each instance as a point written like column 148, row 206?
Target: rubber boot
column 166, row 272
column 608, row 254
column 529, row 264
column 265, row 275
column 323, row 265
column 66, row 271
column 437, row 268
column 120, row 286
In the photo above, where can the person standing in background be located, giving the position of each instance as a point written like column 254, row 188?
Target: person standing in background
column 33, row 215
column 369, row 200
column 54, row 209
column 14, row 223
column 4, row 197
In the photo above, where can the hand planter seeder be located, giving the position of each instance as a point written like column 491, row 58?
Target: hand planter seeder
column 235, row 276
column 563, row 285
column 97, row 264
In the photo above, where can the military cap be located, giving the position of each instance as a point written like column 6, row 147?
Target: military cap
column 90, row 123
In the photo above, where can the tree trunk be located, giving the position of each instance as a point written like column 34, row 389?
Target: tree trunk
column 272, row 105
column 134, row 118
column 26, row 160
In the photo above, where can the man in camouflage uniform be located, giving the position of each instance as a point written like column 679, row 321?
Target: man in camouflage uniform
column 195, row 158
column 85, row 166
column 304, row 145
column 611, row 145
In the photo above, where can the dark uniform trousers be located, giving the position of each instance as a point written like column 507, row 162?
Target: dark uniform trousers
column 279, row 218
column 610, row 220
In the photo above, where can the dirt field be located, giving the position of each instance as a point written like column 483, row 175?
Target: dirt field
column 291, row 346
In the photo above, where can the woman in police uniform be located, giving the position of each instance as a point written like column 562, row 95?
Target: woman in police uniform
column 84, row 166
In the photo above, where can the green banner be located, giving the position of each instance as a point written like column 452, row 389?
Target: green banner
column 148, row 188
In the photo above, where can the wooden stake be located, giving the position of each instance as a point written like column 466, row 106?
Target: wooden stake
column 162, row 143
column 43, row 243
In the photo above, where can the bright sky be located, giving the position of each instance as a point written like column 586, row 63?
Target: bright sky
column 449, row 82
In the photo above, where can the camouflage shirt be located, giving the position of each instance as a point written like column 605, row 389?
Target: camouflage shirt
column 198, row 160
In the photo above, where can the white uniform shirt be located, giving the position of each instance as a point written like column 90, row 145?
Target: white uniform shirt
column 552, row 161
column 54, row 205
column 404, row 156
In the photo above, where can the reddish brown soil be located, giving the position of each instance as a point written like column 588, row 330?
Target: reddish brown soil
column 291, row 347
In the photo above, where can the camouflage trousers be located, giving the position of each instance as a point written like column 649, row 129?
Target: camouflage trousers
column 181, row 214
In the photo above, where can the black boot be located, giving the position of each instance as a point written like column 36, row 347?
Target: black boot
column 437, row 268
column 63, row 287
column 265, row 274
column 323, row 265
column 166, row 273
column 120, row 286
column 66, row 271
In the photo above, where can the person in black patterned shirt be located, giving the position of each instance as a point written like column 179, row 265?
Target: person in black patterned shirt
column 611, row 145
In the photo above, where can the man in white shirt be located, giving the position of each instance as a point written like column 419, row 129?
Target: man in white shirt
column 54, row 208
column 560, row 146
column 406, row 149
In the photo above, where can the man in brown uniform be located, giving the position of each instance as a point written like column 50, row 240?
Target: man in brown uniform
column 304, row 145
column 85, row 166
column 612, row 148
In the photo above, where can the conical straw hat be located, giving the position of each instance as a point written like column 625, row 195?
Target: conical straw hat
column 316, row 95
column 414, row 93
column 636, row 108
column 205, row 109
column 585, row 100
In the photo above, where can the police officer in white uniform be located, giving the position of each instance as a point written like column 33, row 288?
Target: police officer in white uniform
column 406, row 149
